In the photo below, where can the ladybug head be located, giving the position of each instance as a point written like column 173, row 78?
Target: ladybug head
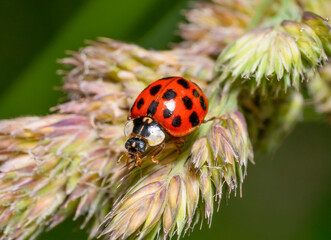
column 135, row 145
column 143, row 131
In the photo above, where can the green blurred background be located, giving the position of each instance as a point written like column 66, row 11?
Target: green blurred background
column 285, row 196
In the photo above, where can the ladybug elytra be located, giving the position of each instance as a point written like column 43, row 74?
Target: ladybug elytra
column 171, row 106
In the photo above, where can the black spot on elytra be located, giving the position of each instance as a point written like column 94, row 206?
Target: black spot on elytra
column 196, row 93
column 194, row 119
column 184, row 83
column 152, row 108
column 169, row 94
column 140, row 103
column 167, row 78
column 177, row 121
column 167, row 113
column 154, row 90
column 203, row 103
column 187, row 102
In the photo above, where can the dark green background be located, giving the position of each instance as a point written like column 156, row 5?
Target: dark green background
column 285, row 196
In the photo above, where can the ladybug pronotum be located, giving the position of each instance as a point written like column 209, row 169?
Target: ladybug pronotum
column 171, row 106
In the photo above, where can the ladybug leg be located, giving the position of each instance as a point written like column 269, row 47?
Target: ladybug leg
column 178, row 147
column 128, row 158
column 154, row 160
column 138, row 161
column 158, row 150
column 178, row 143
column 214, row 118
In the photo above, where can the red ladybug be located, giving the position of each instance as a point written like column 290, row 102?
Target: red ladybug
column 172, row 106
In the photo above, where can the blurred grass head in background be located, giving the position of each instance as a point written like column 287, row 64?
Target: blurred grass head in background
column 126, row 68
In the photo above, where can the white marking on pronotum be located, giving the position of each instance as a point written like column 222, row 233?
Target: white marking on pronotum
column 156, row 137
column 128, row 128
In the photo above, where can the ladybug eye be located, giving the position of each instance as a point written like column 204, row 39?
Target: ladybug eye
column 156, row 137
column 128, row 128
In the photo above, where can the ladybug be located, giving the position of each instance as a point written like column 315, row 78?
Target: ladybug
column 171, row 106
